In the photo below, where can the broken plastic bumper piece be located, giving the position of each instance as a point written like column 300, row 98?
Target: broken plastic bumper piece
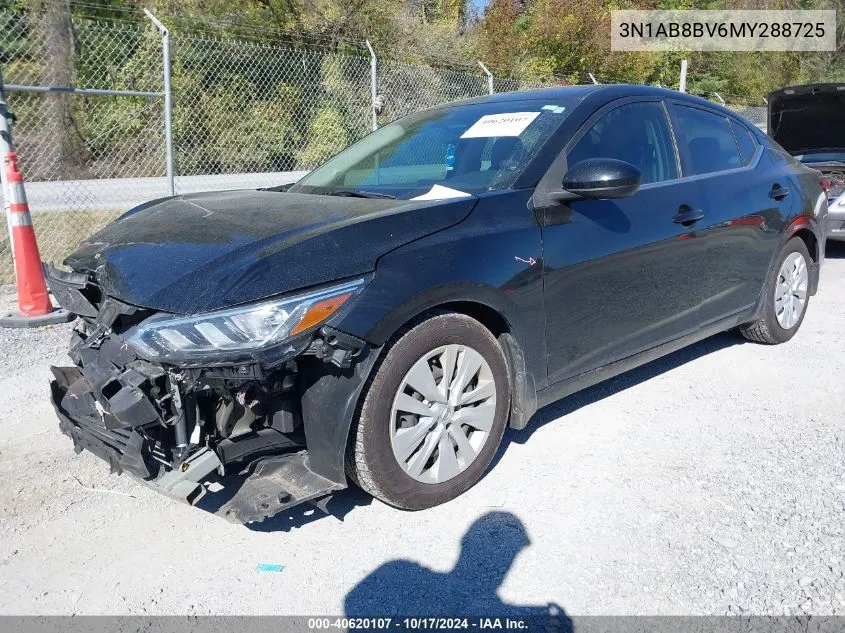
column 276, row 484
column 271, row 485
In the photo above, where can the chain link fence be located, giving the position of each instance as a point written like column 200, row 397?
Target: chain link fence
column 259, row 114
column 758, row 115
column 244, row 114
column 70, row 143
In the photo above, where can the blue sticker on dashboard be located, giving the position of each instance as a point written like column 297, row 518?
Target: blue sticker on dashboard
column 450, row 158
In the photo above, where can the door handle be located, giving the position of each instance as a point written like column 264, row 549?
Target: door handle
column 778, row 192
column 688, row 217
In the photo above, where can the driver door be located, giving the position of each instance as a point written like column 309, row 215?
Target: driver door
column 615, row 277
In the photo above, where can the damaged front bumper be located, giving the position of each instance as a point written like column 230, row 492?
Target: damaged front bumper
column 126, row 450
column 277, row 434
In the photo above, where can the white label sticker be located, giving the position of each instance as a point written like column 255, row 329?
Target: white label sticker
column 505, row 124
column 438, row 192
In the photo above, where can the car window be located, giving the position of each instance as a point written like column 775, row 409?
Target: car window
column 637, row 133
column 747, row 143
column 706, row 142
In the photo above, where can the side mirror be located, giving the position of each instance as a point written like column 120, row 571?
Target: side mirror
column 600, row 179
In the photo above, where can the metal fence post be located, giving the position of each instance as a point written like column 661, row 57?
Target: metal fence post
column 5, row 147
column 168, row 99
column 682, row 87
column 489, row 77
column 373, row 79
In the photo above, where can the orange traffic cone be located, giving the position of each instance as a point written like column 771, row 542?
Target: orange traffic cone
column 34, row 304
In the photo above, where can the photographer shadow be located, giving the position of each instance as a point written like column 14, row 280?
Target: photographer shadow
column 403, row 588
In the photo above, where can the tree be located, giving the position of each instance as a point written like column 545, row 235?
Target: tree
column 65, row 147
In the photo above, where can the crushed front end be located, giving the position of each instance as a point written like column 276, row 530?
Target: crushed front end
column 174, row 423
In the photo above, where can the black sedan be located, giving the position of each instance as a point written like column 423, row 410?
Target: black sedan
column 383, row 320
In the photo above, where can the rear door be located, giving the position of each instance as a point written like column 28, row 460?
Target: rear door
column 616, row 273
column 745, row 197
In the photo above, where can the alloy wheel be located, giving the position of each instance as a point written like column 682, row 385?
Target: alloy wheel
column 443, row 413
column 791, row 290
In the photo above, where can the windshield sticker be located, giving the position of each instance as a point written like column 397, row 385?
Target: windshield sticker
column 505, row 124
column 450, row 157
column 554, row 109
column 438, row 192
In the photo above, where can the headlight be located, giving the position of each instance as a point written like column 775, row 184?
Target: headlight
column 242, row 329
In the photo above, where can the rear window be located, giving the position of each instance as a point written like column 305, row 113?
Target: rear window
column 706, row 142
column 747, row 142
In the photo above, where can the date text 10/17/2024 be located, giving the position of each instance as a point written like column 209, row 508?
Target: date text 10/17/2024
column 419, row 623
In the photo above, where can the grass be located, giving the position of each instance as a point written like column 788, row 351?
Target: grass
column 58, row 234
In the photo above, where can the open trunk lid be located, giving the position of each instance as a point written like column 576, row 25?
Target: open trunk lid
column 808, row 119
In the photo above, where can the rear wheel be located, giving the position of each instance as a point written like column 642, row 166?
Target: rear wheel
column 433, row 415
column 785, row 298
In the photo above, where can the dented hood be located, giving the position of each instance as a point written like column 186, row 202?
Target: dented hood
column 201, row 252
column 807, row 119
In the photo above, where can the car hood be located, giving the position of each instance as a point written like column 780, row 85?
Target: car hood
column 201, row 252
column 805, row 119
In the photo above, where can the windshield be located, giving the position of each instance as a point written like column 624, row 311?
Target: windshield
column 447, row 152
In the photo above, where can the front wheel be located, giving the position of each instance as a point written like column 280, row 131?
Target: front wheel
column 785, row 296
column 434, row 414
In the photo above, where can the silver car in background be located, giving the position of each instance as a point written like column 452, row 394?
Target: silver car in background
column 809, row 123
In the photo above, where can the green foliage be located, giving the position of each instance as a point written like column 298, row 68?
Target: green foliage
column 547, row 40
column 230, row 125
column 250, row 106
column 327, row 135
column 248, row 134
column 550, row 40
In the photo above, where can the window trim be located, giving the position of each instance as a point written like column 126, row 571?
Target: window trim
column 553, row 177
column 673, row 105
column 736, row 123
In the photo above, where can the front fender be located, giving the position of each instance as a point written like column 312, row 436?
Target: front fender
column 492, row 260
column 490, row 264
column 372, row 322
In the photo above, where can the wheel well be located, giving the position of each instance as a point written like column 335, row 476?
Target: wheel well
column 809, row 238
column 487, row 316
column 523, row 386
column 482, row 313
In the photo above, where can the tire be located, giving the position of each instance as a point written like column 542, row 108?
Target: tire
column 384, row 430
column 775, row 326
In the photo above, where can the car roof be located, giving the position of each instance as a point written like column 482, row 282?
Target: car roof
column 598, row 92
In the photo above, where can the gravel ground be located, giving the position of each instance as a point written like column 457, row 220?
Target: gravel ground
column 709, row 482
